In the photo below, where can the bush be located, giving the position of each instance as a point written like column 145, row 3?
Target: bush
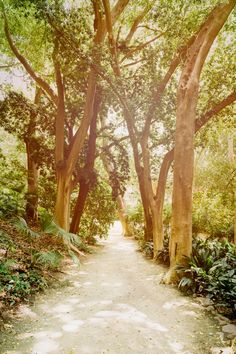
column 18, row 285
column 135, row 219
column 211, row 271
column 163, row 255
column 11, row 203
column 147, row 249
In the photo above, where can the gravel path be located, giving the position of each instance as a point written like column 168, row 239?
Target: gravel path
column 113, row 304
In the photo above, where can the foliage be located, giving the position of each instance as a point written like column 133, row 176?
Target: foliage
column 214, row 200
column 211, row 271
column 12, row 176
column 147, row 249
column 22, row 227
column 49, row 259
column 136, row 219
column 163, row 255
column 99, row 212
column 49, row 226
column 17, row 286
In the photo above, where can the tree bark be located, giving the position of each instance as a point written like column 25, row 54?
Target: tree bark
column 187, row 96
column 79, row 206
column 85, row 184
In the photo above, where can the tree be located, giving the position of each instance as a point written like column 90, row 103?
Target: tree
column 28, row 121
column 169, row 157
column 187, row 96
column 66, row 162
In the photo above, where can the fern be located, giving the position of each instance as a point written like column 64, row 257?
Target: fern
column 22, row 227
column 50, row 259
column 74, row 258
column 49, row 226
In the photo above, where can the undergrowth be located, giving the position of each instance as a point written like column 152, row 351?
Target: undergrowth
column 29, row 258
column 211, row 272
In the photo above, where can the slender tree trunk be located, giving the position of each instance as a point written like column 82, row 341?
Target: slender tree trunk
column 79, row 206
column 126, row 228
column 160, row 194
column 187, row 96
column 148, row 235
column 85, row 183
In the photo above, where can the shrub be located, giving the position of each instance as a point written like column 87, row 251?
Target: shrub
column 135, row 218
column 211, row 271
column 16, row 286
column 163, row 255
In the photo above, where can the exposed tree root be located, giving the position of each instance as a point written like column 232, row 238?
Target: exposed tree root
column 75, row 249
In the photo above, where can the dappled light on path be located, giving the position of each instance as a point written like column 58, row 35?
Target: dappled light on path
column 113, row 304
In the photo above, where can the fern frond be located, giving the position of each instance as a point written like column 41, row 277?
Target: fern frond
column 22, row 227
column 49, row 259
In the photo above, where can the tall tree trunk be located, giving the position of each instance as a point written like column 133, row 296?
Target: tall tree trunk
column 169, row 157
column 160, row 195
column 187, row 96
column 85, row 183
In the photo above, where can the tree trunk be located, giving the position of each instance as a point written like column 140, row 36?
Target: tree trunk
column 62, row 207
column 79, row 206
column 187, row 96
column 126, row 229
column 66, row 166
column 32, row 180
column 160, row 194
column 169, row 157
column 148, row 235
column 85, row 183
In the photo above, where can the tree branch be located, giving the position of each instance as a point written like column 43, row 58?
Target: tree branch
column 158, row 92
column 61, row 115
column 141, row 46
column 214, row 111
column 43, row 84
column 135, row 26
column 200, row 122
column 112, row 43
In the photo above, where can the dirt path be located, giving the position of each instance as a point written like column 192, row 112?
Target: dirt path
column 113, row 304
